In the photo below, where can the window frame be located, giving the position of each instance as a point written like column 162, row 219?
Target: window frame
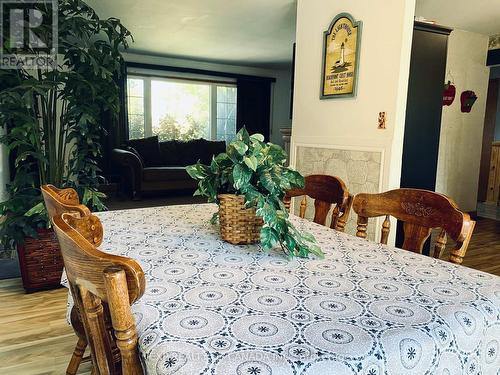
column 147, row 102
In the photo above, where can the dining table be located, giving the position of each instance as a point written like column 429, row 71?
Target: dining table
column 211, row 307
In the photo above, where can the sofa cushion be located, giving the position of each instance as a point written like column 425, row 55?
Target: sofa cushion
column 165, row 174
column 211, row 149
column 189, row 151
column 184, row 153
column 170, row 153
column 149, row 149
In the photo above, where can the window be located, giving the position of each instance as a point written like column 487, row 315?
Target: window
column 136, row 108
column 226, row 113
column 181, row 109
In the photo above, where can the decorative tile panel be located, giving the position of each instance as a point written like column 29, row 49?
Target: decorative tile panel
column 360, row 170
column 494, row 42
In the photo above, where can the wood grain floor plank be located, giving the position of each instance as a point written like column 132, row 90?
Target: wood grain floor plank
column 484, row 249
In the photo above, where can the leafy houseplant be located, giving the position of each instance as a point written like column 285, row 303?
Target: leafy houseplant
column 256, row 170
column 52, row 116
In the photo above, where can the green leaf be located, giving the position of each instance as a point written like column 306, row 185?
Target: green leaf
column 215, row 218
column 268, row 237
column 290, row 242
column 316, row 250
column 257, row 137
column 295, row 179
column 197, row 171
column 308, row 237
column 251, row 162
column 222, row 158
column 36, row 210
column 243, row 136
column 253, row 198
column 219, row 162
column 242, row 176
column 268, row 213
column 240, row 147
column 266, row 179
column 276, row 154
column 233, row 154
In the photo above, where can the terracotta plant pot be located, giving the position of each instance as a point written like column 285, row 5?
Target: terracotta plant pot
column 41, row 261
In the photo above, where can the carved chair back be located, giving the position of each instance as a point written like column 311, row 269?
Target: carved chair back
column 59, row 201
column 420, row 211
column 327, row 191
column 103, row 287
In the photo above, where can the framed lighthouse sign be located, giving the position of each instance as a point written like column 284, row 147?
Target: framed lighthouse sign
column 341, row 57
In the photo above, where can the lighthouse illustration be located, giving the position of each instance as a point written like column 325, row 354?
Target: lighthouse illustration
column 340, row 63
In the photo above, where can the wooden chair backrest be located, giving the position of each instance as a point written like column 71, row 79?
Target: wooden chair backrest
column 103, row 288
column 60, row 201
column 420, row 211
column 326, row 191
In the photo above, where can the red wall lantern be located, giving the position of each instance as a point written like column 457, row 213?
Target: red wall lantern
column 449, row 93
column 467, row 100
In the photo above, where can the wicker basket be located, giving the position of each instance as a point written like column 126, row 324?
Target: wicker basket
column 238, row 225
column 41, row 261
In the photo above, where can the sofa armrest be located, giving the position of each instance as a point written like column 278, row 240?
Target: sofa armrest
column 132, row 164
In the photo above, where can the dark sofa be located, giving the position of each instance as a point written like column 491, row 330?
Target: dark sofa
column 149, row 165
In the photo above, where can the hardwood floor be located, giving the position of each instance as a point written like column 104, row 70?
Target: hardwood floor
column 36, row 340
column 484, row 249
column 34, row 336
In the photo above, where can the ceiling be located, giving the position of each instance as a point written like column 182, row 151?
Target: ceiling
column 243, row 32
column 480, row 16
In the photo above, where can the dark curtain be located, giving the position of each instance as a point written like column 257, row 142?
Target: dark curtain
column 115, row 128
column 254, row 106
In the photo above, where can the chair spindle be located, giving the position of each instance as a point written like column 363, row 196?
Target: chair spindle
column 440, row 244
column 386, row 229
column 303, row 206
column 122, row 319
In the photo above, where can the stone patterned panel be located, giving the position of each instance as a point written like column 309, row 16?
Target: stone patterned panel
column 494, row 42
column 360, row 170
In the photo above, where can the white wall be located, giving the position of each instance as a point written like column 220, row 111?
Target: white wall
column 341, row 136
column 462, row 133
column 280, row 108
column 382, row 81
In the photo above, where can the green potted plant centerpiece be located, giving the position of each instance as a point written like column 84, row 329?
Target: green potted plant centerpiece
column 249, row 182
column 52, row 122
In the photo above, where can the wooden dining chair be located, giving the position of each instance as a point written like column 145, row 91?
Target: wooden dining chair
column 326, row 191
column 420, row 211
column 59, row 201
column 103, row 286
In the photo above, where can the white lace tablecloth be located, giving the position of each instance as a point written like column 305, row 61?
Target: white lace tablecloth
column 214, row 308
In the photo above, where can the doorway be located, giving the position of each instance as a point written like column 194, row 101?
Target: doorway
column 489, row 176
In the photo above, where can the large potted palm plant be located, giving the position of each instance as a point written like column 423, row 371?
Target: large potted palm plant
column 52, row 129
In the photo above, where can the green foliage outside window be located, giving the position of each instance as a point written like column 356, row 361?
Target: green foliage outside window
column 169, row 128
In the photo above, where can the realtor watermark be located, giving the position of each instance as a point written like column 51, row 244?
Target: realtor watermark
column 28, row 34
